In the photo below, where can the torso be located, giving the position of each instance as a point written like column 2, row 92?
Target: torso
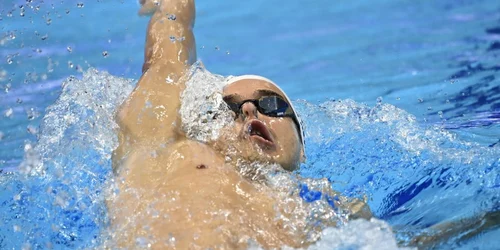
column 186, row 192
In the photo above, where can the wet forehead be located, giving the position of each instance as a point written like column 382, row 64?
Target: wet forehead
column 247, row 87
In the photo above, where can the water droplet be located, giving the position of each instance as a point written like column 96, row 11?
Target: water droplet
column 440, row 113
column 398, row 98
column 9, row 14
column 429, row 108
column 9, row 60
column 172, row 17
column 44, row 37
column 26, row 246
column 32, row 130
column 169, row 80
column 227, row 52
column 3, row 75
column 67, row 11
column 217, row 48
column 172, row 38
column 32, row 114
column 141, row 242
column 379, row 100
column 8, row 113
column 79, row 5
column 48, row 21
column 171, row 239
column 105, row 54
column 203, row 47
column 7, row 88
column 420, row 100
column 69, row 49
column 19, row 100
column 70, row 65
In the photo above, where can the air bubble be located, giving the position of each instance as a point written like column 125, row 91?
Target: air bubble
column 440, row 113
column 48, row 21
column 19, row 100
column 69, row 49
column 227, row 52
column 44, row 37
column 9, row 60
column 217, row 48
column 105, row 54
column 420, row 100
column 79, row 5
column 70, row 65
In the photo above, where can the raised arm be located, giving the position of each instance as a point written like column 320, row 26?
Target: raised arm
column 149, row 117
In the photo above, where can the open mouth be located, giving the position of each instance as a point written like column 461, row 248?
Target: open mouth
column 259, row 133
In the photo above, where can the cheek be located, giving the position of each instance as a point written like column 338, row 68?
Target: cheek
column 286, row 133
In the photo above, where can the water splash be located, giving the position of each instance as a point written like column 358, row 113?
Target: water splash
column 54, row 200
column 407, row 172
column 203, row 111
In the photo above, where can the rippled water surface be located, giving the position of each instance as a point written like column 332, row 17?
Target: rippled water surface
column 401, row 101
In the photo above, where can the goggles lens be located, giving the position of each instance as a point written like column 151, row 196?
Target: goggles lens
column 273, row 106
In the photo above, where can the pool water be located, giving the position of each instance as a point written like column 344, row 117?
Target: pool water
column 401, row 102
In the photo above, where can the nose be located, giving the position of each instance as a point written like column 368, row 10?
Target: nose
column 248, row 110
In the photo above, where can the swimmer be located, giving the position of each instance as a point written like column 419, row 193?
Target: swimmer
column 173, row 190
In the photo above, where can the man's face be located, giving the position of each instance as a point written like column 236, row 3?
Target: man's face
column 255, row 136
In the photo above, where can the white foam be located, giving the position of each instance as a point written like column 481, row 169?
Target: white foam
column 203, row 111
column 358, row 234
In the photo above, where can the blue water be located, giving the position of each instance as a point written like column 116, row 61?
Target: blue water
column 419, row 137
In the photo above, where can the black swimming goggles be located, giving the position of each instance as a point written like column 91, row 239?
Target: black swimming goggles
column 271, row 105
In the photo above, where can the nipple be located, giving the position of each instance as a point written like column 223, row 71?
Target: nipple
column 201, row 166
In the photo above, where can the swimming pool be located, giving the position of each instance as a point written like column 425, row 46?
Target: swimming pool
column 420, row 163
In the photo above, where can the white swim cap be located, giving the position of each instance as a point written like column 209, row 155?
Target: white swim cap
column 233, row 79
